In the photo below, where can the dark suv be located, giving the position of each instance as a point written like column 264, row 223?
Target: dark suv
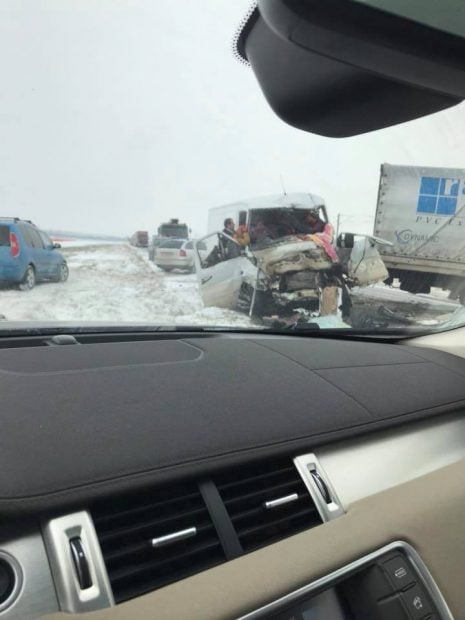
column 28, row 255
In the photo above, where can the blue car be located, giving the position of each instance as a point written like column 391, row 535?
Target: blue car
column 28, row 255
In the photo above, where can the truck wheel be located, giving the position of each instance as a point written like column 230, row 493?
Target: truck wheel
column 415, row 286
column 29, row 280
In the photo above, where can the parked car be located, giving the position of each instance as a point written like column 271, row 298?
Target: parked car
column 155, row 242
column 28, row 255
column 177, row 254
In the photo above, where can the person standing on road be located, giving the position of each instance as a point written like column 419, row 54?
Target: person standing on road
column 229, row 248
column 229, row 227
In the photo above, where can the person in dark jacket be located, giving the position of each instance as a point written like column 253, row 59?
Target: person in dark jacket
column 228, row 247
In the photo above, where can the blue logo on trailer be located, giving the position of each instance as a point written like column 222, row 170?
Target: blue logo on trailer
column 438, row 195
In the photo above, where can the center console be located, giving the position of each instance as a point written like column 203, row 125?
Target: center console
column 392, row 583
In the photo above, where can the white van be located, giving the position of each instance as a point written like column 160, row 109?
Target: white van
column 280, row 272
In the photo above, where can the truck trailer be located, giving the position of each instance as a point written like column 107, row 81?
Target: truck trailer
column 421, row 211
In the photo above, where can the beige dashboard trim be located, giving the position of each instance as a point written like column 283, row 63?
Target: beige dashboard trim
column 452, row 341
column 428, row 513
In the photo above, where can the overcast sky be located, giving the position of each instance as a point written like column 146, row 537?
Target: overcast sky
column 118, row 114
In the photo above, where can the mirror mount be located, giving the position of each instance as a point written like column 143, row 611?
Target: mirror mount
column 340, row 68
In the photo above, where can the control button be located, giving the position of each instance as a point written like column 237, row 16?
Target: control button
column 391, row 609
column 416, row 602
column 7, row 581
column 399, row 572
column 373, row 582
column 81, row 564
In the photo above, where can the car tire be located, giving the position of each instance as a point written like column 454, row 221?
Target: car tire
column 29, row 280
column 63, row 273
column 165, row 268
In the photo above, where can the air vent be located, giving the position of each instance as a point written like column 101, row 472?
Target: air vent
column 267, row 502
column 155, row 537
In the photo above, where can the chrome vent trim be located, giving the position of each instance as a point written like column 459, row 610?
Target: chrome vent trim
column 36, row 595
column 316, row 480
column 15, row 567
column 266, row 502
column 57, row 535
column 156, row 536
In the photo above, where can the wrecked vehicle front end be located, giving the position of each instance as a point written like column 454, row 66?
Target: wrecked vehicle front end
column 293, row 273
column 283, row 271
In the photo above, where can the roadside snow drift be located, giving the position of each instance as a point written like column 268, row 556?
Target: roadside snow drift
column 117, row 283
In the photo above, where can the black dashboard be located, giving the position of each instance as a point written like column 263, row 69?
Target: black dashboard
column 111, row 416
column 129, row 465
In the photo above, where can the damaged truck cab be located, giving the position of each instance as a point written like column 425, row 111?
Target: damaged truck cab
column 275, row 266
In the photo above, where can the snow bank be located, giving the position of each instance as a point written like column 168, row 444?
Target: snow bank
column 115, row 282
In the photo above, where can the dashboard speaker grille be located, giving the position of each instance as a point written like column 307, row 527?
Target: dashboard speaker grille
column 267, row 502
column 155, row 537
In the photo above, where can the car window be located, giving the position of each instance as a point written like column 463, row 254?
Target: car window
column 45, row 239
column 35, row 237
column 172, row 244
column 374, row 221
column 26, row 234
column 4, row 235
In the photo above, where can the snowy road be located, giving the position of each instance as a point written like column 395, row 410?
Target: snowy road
column 115, row 282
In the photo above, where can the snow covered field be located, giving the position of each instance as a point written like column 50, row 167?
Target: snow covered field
column 115, row 282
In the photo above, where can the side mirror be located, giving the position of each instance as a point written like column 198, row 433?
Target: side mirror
column 346, row 240
column 56, row 246
column 380, row 241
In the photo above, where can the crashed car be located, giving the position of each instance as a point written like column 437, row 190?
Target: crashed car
column 281, row 271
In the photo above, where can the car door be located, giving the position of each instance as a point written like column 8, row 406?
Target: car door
column 51, row 257
column 33, row 249
column 38, row 252
column 219, row 278
column 365, row 264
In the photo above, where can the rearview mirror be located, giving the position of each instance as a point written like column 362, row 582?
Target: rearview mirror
column 56, row 246
column 343, row 67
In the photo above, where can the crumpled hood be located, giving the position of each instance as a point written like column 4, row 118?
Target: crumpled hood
column 292, row 254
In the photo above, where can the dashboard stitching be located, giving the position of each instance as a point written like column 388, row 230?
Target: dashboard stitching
column 457, row 372
column 311, row 370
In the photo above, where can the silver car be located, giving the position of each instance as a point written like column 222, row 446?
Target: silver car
column 177, row 254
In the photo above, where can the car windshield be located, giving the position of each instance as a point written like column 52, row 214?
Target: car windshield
column 122, row 126
column 171, row 244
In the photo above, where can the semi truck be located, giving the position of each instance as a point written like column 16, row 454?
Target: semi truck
column 421, row 211
column 173, row 228
column 140, row 239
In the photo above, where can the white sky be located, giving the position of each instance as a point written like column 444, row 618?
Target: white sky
column 118, row 114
